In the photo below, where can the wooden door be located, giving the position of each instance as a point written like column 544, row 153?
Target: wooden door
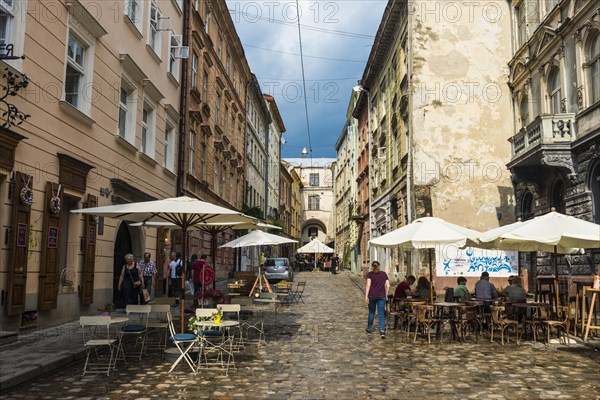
column 89, row 254
column 49, row 271
column 17, row 269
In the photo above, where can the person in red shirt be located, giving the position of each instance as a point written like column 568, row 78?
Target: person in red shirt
column 403, row 288
column 376, row 292
column 197, row 268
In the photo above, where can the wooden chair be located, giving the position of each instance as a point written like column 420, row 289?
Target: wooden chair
column 467, row 316
column 500, row 322
column 425, row 319
column 563, row 322
column 411, row 314
column 539, row 316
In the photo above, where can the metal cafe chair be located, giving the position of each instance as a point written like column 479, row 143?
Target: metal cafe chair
column 96, row 338
column 137, row 326
column 184, row 342
column 158, row 326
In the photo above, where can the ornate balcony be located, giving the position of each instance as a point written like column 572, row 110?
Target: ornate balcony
column 545, row 141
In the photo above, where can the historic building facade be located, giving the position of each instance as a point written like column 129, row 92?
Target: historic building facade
column 430, row 95
column 213, row 164
column 103, row 102
column 555, row 83
column 274, row 135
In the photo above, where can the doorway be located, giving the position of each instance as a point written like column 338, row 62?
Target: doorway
column 122, row 247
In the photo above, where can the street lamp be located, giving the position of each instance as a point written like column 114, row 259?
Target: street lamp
column 304, row 152
column 358, row 89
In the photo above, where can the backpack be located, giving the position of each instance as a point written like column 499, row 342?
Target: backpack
column 179, row 269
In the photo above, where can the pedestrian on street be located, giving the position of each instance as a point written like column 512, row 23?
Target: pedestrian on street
column 376, row 293
column 149, row 272
column 197, row 269
column 176, row 270
column 130, row 280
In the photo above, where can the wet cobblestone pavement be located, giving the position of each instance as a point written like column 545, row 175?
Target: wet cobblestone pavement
column 319, row 350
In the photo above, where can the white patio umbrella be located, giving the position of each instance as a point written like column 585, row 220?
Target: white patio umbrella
column 428, row 233
column 258, row 238
column 554, row 232
column 315, row 247
column 184, row 212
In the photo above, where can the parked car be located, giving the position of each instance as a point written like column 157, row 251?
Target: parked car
column 277, row 269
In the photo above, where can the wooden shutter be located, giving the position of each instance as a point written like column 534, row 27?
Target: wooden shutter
column 89, row 254
column 49, row 277
column 17, row 269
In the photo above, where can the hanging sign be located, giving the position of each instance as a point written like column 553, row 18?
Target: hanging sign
column 473, row 261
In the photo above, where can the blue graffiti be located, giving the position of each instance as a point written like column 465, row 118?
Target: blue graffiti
column 489, row 264
column 469, row 252
column 446, row 267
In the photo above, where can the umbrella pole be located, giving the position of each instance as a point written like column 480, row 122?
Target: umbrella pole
column 556, row 283
column 431, row 278
column 182, row 295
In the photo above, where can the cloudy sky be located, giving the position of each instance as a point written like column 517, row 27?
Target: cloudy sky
column 336, row 41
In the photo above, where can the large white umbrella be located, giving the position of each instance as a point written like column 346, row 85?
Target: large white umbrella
column 428, row 233
column 258, row 238
column 315, row 247
column 184, row 212
column 553, row 232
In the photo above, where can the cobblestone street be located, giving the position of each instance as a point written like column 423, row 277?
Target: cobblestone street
column 319, row 350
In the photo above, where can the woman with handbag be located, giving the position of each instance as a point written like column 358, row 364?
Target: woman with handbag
column 130, row 281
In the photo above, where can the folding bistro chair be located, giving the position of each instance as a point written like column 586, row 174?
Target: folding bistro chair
column 184, row 342
column 298, row 292
column 215, row 341
column 234, row 311
column 137, row 326
column 158, row 324
column 96, row 338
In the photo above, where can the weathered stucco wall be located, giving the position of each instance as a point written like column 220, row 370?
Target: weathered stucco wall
column 461, row 109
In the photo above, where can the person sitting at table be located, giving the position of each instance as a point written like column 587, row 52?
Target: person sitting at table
column 484, row 289
column 461, row 291
column 515, row 292
column 403, row 289
column 423, row 288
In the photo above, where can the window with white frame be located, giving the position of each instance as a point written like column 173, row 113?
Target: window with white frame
column 554, row 90
column 223, row 179
column 127, row 110
column 194, row 70
column 154, row 34
column 133, row 11
column 174, row 55
column 12, row 28
column 314, row 179
column 169, row 150
column 205, row 87
column 313, row 202
column 234, row 79
column 228, row 63
column 595, row 68
column 202, row 161
column 76, row 72
column 524, row 109
column 192, row 161
column 148, row 129
column 216, row 173
column 207, row 20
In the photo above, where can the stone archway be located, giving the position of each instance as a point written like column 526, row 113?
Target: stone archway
column 122, row 247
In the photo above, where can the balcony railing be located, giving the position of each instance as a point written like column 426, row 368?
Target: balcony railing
column 546, row 129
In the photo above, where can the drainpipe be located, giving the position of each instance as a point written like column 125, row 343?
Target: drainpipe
column 183, row 109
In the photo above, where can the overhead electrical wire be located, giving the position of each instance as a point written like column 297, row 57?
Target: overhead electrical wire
column 304, row 85
column 308, row 80
column 255, row 17
column 296, row 54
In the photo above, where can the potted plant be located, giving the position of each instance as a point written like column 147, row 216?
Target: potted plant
column 107, row 309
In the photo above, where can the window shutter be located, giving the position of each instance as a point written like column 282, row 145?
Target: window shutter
column 48, row 290
column 17, row 269
column 89, row 254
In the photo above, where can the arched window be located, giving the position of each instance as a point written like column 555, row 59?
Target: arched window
column 554, row 91
column 527, row 206
column 524, row 109
column 595, row 68
column 557, row 199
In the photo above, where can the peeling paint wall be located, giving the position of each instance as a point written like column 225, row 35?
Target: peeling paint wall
column 461, row 111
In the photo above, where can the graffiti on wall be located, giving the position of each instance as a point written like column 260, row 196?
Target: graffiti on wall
column 472, row 262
